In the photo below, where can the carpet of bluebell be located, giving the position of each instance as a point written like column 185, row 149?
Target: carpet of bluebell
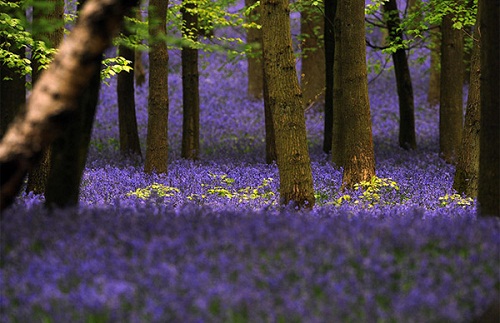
column 208, row 242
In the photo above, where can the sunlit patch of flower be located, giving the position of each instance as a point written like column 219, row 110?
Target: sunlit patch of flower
column 157, row 189
column 455, row 199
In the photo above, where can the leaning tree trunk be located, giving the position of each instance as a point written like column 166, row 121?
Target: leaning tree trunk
column 157, row 137
column 296, row 185
column 329, row 39
column 353, row 104
column 127, row 119
column 190, row 84
column 489, row 156
column 467, row 169
column 407, row 138
column 451, row 98
column 55, row 97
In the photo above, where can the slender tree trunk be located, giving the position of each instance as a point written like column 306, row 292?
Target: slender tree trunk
column 337, row 148
column 467, row 170
column 52, row 15
column 127, row 120
column 451, row 98
column 255, row 69
column 489, row 156
column 329, row 39
column 313, row 55
column 190, row 85
column 357, row 153
column 407, row 138
column 434, row 91
column 139, row 72
column 157, row 138
column 268, row 120
column 55, row 97
column 296, row 185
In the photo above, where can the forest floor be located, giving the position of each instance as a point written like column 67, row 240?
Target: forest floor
column 209, row 242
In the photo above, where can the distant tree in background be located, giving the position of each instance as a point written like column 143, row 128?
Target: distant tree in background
column 407, row 137
column 12, row 81
column 47, row 31
column 254, row 57
column 313, row 55
column 489, row 156
column 157, row 137
column 190, row 83
column 433, row 93
column 69, row 151
column 296, row 184
column 451, row 87
column 353, row 147
column 329, row 40
column 467, row 166
column 125, row 90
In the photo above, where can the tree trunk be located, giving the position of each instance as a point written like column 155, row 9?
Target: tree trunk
column 157, row 137
column 296, row 185
column 357, row 153
column 55, row 96
column 127, row 120
column 489, row 156
column 313, row 54
column 69, row 152
column 329, row 39
column 434, row 92
column 44, row 16
column 255, row 69
column 451, row 98
column 268, row 120
column 190, row 85
column 407, row 138
column 467, row 170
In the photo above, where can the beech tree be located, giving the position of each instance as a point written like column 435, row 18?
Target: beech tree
column 329, row 40
column 125, row 90
column 190, row 83
column 313, row 56
column 407, row 137
column 467, row 167
column 451, row 89
column 254, row 39
column 55, row 96
column 157, row 137
column 352, row 146
column 489, row 156
column 284, row 95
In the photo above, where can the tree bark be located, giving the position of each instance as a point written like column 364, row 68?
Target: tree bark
column 296, row 185
column 329, row 37
column 313, row 55
column 268, row 123
column 53, row 17
column 54, row 98
column 190, row 85
column 467, row 169
column 127, row 120
column 451, row 98
column 356, row 142
column 157, row 137
column 255, row 69
column 489, row 156
column 407, row 138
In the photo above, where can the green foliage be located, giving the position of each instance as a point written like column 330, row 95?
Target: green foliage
column 154, row 189
column 113, row 66
column 455, row 199
column 378, row 190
